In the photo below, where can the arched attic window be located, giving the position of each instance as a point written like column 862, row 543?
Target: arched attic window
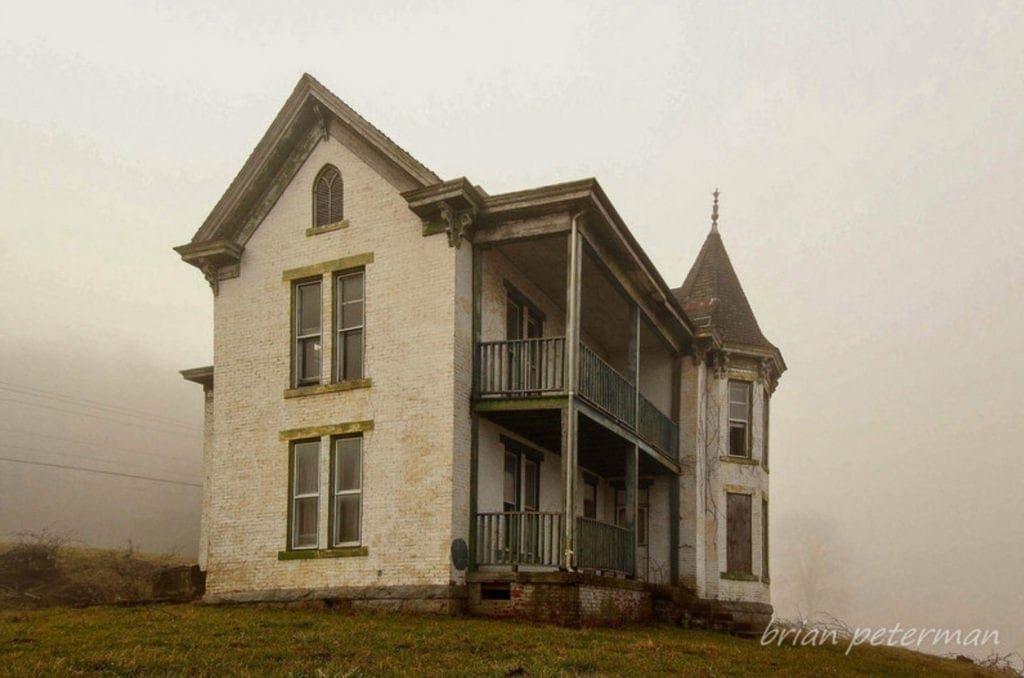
column 327, row 197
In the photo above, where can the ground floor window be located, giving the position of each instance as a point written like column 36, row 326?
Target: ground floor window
column 642, row 510
column 305, row 493
column 764, row 538
column 346, row 491
column 589, row 496
column 737, row 534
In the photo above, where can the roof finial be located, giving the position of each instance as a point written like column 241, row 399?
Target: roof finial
column 714, row 213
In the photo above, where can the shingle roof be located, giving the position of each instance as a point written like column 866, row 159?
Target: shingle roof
column 712, row 296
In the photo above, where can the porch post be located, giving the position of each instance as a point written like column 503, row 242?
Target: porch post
column 570, row 420
column 633, row 452
column 673, row 489
column 474, row 444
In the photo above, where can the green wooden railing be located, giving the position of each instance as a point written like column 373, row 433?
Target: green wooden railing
column 519, row 538
column 522, row 367
column 602, row 546
column 604, row 387
column 657, row 429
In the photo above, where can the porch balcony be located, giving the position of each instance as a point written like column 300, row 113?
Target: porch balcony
column 533, row 539
column 531, row 368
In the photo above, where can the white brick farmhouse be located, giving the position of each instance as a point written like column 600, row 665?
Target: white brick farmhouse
column 427, row 397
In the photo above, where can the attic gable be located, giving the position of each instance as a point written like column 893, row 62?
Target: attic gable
column 310, row 115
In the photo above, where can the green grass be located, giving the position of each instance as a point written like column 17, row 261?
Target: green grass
column 203, row 640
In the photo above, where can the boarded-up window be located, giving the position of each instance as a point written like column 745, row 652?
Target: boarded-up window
column 327, row 197
column 737, row 534
column 764, row 538
column 739, row 418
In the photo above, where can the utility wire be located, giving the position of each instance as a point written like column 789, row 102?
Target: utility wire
column 93, row 470
column 115, row 409
column 98, row 416
column 102, row 460
column 88, row 443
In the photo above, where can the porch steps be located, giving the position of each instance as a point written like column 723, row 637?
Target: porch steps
column 678, row 605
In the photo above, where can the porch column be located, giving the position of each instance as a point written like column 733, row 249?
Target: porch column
column 673, row 488
column 474, row 444
column 633, row 452
column 570, row 420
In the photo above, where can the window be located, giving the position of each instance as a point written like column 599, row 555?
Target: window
column 589, row 496
column 523, row 320
column 739, row 418
column 737, row 534
column 764, row 415
column 346, row 492
column 305, row 494
column 307, row 330
column 327, row 197
column 348, row 344
column 521, row 484
column 643, row 502
column 764, row 538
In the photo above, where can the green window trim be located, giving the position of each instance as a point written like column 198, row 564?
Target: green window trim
column 739, row 576
column 336, row 387
column 316, row 554
column 332, row 266
column 346, row 428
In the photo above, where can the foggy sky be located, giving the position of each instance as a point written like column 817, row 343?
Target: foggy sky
column 869, row 156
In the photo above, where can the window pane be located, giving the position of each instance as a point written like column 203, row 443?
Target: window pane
column 353, row 354
column 738, row 439
column 309, row 308
column 306, row 473
column 513, row 320
column 347, row 462
column 737, row 533
column 531, row 488
column 304, row 522
column 511, row 466
column 351, row 314
column 351, row 287
column 309, row 370
column 739, row 400
column 346, row 518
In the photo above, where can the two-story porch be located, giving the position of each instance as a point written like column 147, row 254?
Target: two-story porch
column 576, row 383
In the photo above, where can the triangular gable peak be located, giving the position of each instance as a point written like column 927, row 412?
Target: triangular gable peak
column 310, row 115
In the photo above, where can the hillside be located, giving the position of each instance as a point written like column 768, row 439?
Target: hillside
column 206, row 640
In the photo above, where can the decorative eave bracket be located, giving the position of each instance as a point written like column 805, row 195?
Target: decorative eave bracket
column 217, row 259
column 451, row 207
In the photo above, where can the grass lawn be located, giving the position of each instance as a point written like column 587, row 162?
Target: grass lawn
column 201, row 640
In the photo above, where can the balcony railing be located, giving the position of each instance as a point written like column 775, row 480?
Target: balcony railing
column 606, row 388
column 657, row 429
column 601, row 546
column 522, row 367
column 519, row 538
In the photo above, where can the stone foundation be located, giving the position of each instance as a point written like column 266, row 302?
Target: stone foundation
column 567, row 599
column 443, row 600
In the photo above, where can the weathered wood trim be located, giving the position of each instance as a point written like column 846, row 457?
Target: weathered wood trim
column 329, row 430
column 505, row 404
column 199, row 375
column 336, row 387
column 523, row 229
column 354, row 261
column 327, row 228
column 632, row 438
column 316, row 554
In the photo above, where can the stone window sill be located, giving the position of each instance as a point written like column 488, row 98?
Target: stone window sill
column 327, row 228
column 740, row 460
column 315, row 554
column 739, row 576
column 318, row 389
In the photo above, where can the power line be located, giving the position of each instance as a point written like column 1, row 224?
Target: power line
column 97, row 416
column 102, row 460
column 93, row 470
column 82, row 402
column 88, row 443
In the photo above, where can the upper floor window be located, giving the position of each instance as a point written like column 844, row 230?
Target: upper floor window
column 348, row 344
column 328, row 198
column 308, row 339
column 739, row 418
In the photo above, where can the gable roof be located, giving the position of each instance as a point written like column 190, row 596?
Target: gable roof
column 305, row 117
column 713, row 297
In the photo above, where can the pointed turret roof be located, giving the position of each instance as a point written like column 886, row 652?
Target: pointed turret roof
column 712, row 295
